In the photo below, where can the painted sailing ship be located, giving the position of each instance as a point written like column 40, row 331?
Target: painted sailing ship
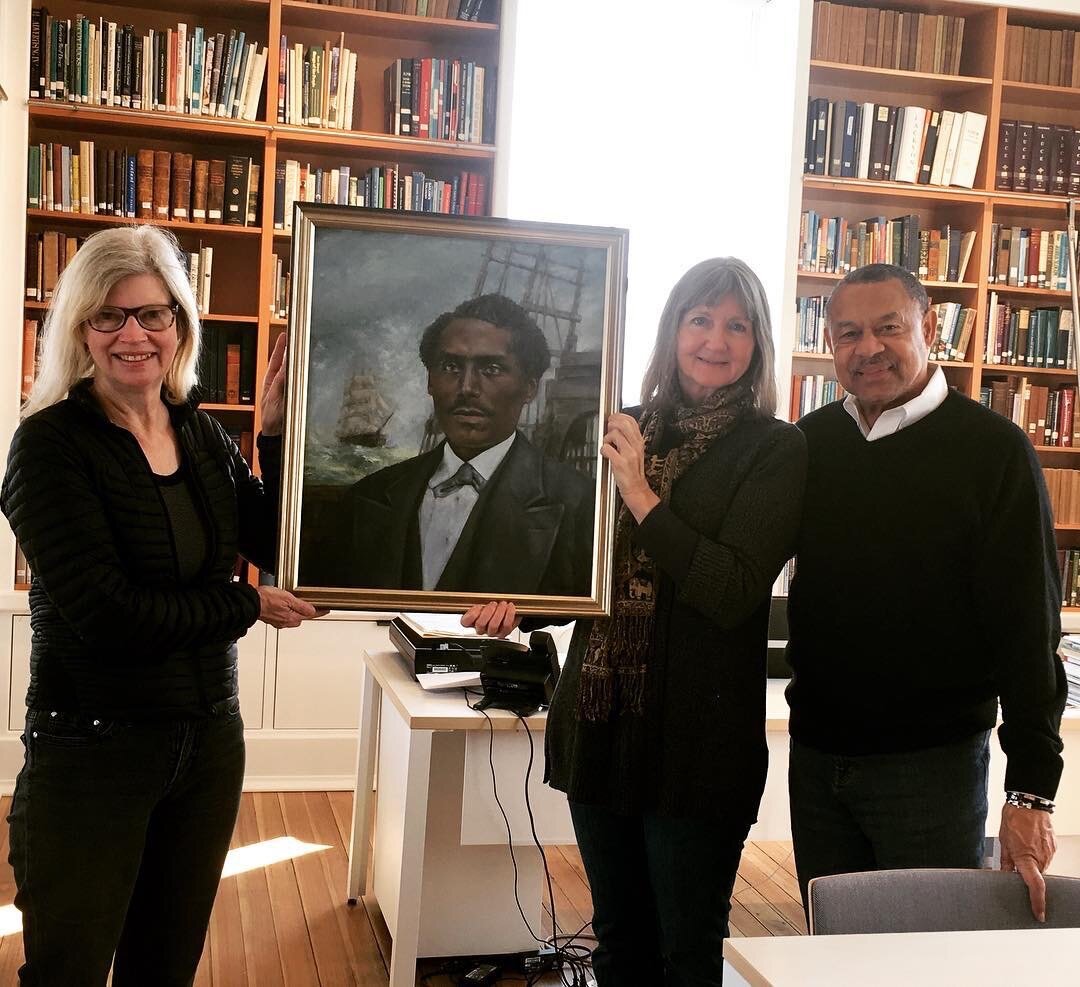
column 364, row 413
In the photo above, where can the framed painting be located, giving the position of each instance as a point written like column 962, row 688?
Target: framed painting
column 448, row 382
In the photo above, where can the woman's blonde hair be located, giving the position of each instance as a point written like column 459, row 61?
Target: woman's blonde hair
column 100, row 263
column 705, row 284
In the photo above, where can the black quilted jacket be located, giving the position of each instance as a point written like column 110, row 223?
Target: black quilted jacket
column 115, row 632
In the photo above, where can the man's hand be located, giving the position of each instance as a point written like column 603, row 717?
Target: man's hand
column 279, row 608
column 1027, row 847
column 494, row 619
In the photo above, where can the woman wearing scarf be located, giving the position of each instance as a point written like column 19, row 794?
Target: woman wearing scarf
column 657, row 729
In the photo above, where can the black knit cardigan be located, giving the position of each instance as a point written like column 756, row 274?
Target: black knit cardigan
column 115, row 632
column 699, row 749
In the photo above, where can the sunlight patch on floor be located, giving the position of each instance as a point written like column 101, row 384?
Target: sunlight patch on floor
column 267, row 852
column 238, row 861
column 10, row 920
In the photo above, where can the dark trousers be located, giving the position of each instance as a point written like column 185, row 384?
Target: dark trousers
column 661, row 892
column 118, row 835
column 922, row 808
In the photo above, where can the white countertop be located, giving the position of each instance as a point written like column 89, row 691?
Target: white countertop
column 929, row 959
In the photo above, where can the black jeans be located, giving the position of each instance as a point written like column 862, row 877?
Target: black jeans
column 888, row 811
column 118, row 835
column 661, row 891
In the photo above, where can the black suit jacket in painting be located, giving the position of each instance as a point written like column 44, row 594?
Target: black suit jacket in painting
column 531, row 531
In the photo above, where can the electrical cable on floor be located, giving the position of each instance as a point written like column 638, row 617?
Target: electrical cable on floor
column 571, row 957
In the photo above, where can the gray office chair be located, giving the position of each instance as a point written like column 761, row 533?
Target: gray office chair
column 932, row 900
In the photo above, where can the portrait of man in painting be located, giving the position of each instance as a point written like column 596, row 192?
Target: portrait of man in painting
column 452, row 408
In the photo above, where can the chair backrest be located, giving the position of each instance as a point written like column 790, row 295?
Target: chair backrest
column 932, row 900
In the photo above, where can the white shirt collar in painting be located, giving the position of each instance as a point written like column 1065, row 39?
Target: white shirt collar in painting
column 485, row 463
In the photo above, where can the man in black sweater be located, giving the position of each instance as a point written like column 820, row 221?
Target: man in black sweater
column 926, row 592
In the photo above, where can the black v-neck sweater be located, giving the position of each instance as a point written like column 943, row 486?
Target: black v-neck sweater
column 927, row 587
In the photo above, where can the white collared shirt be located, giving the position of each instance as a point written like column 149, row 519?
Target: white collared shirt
column 442, row 520
column 892, row 421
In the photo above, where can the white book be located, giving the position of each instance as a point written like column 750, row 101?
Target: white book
column 292, row 189
column 953, row 148
column 255, row 87
column 866, row 130
column 969, row 149
column 350, row 92
column 910, row 138
column 992, row 356
column 477, row 134
column 944, row 133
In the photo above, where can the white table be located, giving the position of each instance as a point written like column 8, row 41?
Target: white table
column 442, row 873
column 929, row 959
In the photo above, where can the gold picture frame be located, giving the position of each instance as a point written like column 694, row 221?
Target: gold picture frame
column 370, row 423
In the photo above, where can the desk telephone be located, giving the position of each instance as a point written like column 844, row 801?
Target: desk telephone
column 517, row 677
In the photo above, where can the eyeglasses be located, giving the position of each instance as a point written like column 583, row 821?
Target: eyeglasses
column 113, row 318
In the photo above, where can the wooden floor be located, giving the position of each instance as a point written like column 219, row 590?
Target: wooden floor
column 287, row 925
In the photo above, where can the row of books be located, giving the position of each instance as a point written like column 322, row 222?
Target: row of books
column 955, row 327
column 878, row 142
column 227, row 364
column 440, row 99
column 280, row 282
column 1069, row 649
column 175, row 70
column 455, row 10
column 1047, row 415
column 1064, row 489
column 1043, row 56
column 316, row 84
column 810, row 318
column 812, row 391
column 891, row 39
column 49, row 252
column 1023, row 336
column 149, row 184
column 1042, row 158
column 1024, row 257
column 833, row 245
column 381, row 186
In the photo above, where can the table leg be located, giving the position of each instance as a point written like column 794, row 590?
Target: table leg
column 360, row 841
column 411, row 878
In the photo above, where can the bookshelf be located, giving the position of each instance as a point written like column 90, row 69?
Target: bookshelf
column 246, row 257
column 987, row 82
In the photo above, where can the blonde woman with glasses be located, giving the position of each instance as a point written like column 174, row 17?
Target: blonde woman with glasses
column 131, row 507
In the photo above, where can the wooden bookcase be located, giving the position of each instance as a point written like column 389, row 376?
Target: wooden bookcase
column 244, row 256
column 979, row 86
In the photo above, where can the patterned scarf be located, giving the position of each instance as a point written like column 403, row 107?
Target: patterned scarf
column 615, row 663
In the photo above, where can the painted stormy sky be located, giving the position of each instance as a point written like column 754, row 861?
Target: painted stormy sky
column 373, row 294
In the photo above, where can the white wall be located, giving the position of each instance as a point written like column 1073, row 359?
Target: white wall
column 676, row 124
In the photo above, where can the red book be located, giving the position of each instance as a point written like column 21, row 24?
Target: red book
column 1068, row 400
column 29, row 356
column 1033, row 257
column 479, row 197
column 425, row 98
